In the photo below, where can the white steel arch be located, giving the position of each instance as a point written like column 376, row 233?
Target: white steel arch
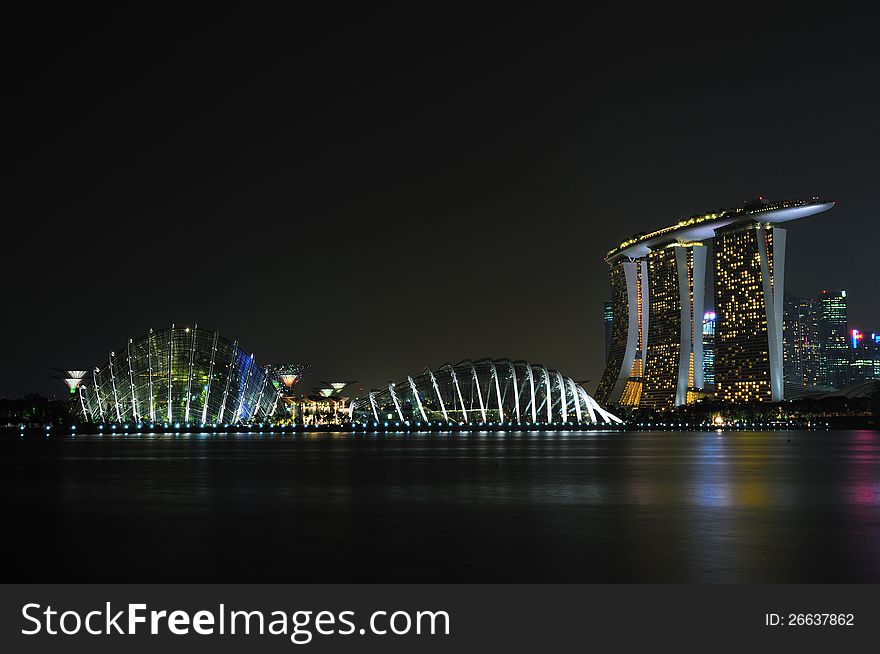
column 232, row 367
column 563, row 406
column 247, row 382
column 531, row 375
column 515, row 390
column 586, row 399
column 113, row 386
column 497, row 391
column 211, row 378
column 134, row 412
column 468, row 384
column 548, row 397
column 169, row 416
column 415, row 393
column 458, row 391
column 577, row 399
column 189, row 375
column 150, row 374
column 373, row 404
column 396, row 402
column 256, row 413
column 479, row 392
column 437, row 391
column 81, row 392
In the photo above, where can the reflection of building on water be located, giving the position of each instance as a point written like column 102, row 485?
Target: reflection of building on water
column 325, row 406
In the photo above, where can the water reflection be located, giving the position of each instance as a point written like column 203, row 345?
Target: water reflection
column 586, row 506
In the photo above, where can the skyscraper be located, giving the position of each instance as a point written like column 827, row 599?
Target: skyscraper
column 800, row 343
column 865, row 364
column 608, row 318
column 677, row 273
column 709, row 349
column 749, row 270
column 622, row 382
column 834, row 349
column 658, row 279
column 874, row 344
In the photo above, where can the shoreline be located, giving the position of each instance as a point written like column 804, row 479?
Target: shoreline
column 127, row 430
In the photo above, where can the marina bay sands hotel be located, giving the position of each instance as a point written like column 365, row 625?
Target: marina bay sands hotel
column 658, row 285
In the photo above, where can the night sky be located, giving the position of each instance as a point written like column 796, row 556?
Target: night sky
column 376, row 192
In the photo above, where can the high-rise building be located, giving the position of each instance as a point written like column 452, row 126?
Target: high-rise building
column 622, row 382
column 749, row 269
column 874, row 343
column 677, row 274
column 658, row 279
column 709, row 349
column 834, row 348
column 800, row 343
column 608, row 318
column 811, row 345
column 865, row 363
column 792, row 341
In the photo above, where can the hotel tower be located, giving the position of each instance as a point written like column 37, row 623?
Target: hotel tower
column 658, row 287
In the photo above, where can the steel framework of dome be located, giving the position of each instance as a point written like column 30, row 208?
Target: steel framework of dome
column 180, row 375
column 483, row 392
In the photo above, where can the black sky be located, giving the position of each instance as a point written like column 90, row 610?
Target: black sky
column 377, row 192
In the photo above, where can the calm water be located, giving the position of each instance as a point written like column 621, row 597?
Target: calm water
column 656, row 507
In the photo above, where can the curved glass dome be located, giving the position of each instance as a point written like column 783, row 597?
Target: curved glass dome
column 484, row 391
column 179, row 375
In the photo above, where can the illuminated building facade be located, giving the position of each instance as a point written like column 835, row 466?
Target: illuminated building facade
column 749, row 265
column 608, row 318
column 834, row 354
column 623, row 381
column 180, row 375
column 864, row 364
column 325, row 406
column 482, row 392
column 709, row 349
column 677, row 276
column 317, row 410
column 875, row 346
column 800, row 343
column 656, row 356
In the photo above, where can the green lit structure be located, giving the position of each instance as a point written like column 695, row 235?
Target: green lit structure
column 180, row 375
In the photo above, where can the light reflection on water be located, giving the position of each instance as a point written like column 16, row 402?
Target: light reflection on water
column 511, row 506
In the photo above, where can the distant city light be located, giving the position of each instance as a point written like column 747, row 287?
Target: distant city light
column 856, row 337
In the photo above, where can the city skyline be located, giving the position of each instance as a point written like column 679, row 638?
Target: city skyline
column 342, row 192
column 540, row 295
